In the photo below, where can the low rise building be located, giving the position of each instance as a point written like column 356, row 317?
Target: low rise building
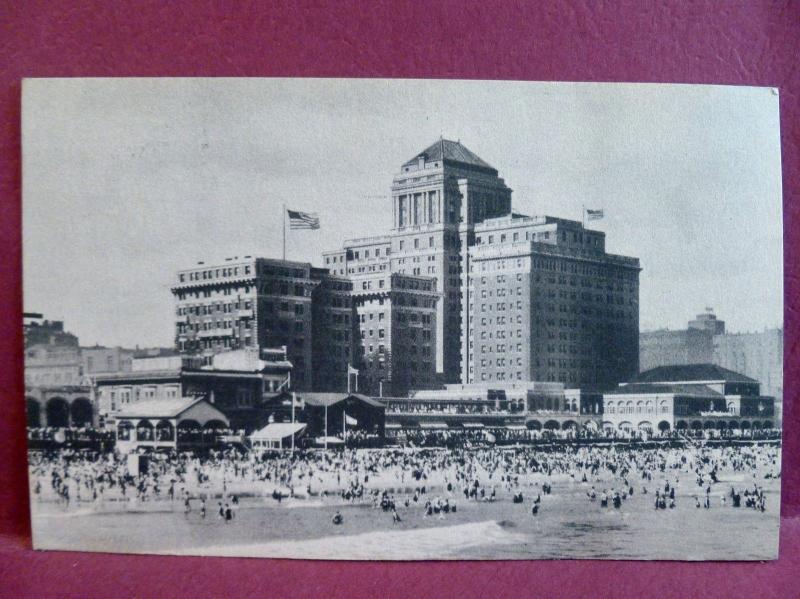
column 236, row 384
column 688, row 397
column 758, row 355
column 524, row 405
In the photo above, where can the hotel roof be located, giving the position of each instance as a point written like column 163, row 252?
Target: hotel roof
column 694, row 373
column 450, row 151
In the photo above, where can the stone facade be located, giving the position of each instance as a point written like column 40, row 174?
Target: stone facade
column 396, row 325
column 450, row 211
column 545, row 302
column 257, row 303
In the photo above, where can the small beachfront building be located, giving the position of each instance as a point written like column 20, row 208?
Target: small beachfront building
column 178, row 423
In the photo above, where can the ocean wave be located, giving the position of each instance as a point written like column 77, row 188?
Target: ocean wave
column 439, row 542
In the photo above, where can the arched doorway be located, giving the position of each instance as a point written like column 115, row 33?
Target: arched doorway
column 645, row 425
column 625, row 426
column 768, row 424
column 165, row 431
column 756, row 424
column 33, row 412
column 681, row 425
column 551, row 425
column 744, row 425
column 189, row 431
column 663, row 426
column 697, row 425
column 568, row 424
column 124, row 429
column 212, row 429
column 57, row 411
column 81, row 412
column 144, row 431
column 708, row 425
column 534, row 425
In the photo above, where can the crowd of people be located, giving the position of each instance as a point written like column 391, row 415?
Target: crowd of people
column 458, row 437
column 408, row 483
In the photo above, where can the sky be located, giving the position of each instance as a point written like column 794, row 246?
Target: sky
column 127, row 181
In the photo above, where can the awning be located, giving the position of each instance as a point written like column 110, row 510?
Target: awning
column 277, row 431
column 473, row 425
column 516, row 427
column 392, row 425
column 433, row 425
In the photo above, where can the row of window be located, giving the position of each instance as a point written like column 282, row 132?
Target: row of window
column 214, row 273
column 205, row 309
column 640, row 407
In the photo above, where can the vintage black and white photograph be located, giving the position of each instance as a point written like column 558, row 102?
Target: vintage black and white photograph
column 403, row 319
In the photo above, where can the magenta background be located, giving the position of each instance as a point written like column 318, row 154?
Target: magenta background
column 757, row 43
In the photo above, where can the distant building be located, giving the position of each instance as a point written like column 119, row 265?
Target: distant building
column 688, row 397
column 705, row 341
column 693, row 345
column 38, row 331
column 49, row 365
column 758, row 355
column 97, row 359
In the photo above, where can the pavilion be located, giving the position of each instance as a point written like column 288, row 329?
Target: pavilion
column 177, row 423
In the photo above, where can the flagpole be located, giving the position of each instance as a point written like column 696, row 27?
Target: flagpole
column 284, row 231
column 583, row 215
column 326, row 427
column 294, row 397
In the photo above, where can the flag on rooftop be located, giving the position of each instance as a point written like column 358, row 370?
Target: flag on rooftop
column 303, row 220
column 594, row 214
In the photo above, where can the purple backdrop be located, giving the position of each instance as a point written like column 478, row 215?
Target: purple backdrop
column 707, row 42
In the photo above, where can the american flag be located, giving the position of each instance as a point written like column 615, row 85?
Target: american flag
column 594, row 214
column 303, row 220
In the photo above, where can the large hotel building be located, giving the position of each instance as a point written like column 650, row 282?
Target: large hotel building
column 461, row 289
column 543, row 301
column 383, row 323
column 263, row 303
column 522, row 298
